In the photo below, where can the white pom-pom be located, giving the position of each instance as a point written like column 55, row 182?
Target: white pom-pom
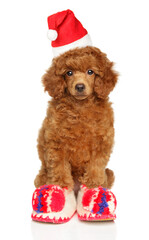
column 52, row 34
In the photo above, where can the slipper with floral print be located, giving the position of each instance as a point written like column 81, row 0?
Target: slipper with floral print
column 54, row 204
column 96, row 204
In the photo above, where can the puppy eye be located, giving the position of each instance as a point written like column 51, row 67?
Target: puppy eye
column 69, row 73
column 90, row 72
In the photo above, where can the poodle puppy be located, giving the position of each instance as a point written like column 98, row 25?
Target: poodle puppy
column 76, row 138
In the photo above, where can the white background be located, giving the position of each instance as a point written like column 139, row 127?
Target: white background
column 119, row 28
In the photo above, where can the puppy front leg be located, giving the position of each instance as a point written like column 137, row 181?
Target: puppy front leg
column 55, row 169
column 93, row 177
column 58, row 169
column 96, row 174
column 96, row 177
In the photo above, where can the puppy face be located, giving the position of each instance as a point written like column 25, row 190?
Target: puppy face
column 81, row 72
column 80, row 84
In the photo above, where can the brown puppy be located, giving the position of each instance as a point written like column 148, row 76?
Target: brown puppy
column 76, row 138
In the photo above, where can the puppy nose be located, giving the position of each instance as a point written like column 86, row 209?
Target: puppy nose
column 80, row 87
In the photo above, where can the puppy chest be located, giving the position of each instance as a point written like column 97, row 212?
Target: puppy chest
column 78, row 141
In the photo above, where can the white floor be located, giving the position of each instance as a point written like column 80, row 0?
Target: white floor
column 74, row 229
column 125, row 227
column 128, row 228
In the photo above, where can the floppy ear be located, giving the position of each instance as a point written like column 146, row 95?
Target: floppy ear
column 54, row 83
column 106, row 80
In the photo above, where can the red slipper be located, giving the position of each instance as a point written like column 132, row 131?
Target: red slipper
column 96, row 204
column 51, row 203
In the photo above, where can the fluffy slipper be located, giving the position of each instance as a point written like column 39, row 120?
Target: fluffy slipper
column 97, row 204
column 52, row 203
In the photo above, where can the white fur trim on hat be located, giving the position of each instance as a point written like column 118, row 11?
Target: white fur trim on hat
column 82, row 42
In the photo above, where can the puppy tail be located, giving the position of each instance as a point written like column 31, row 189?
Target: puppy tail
column 110, row 177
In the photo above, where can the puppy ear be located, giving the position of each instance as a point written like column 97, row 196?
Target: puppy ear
column 106, row 80
column 54, row 83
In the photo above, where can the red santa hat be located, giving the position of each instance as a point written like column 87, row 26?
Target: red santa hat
column 66, row 32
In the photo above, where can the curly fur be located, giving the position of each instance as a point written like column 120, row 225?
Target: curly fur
column 76, row 138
